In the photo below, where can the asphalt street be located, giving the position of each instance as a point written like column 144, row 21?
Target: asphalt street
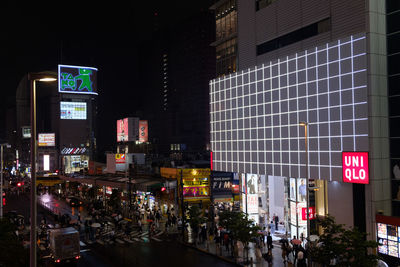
column 159, row 251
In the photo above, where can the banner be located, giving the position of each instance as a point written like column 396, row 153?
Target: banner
column 143, row 131
column 77, row 79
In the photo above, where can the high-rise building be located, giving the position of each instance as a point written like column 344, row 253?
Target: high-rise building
column 225, row 36
column 181, row 64
column 319, row 66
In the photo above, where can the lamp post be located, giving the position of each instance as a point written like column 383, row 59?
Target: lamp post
column 33, row 77
column 305, row 124
column 1, row 182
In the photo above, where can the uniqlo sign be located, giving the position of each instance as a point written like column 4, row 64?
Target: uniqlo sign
column 311, row 212
column 355, row 167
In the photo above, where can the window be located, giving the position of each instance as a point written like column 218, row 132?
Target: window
column 295, row 36
column 260, row 4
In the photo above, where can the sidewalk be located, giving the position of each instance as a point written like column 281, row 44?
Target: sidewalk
column 210, row 248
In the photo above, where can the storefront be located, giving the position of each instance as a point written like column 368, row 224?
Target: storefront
column 74, row 159
column 280, row 204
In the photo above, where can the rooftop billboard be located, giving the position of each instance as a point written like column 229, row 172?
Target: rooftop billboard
column 77, row 79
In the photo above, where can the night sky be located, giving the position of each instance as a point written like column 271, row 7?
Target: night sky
column 111, row 36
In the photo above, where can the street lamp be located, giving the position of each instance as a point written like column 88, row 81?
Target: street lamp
column 33, row 77
column 305, row 124
column 1, row 177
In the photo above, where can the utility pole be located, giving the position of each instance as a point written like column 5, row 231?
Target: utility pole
column 183, row 208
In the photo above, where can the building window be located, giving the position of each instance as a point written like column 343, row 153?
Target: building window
column 295, row 36
column 260, row 4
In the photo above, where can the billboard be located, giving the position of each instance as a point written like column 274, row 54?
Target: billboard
column 120, row 159
column 77, row 79
column 250, row 189
column 72, row 110
column 143, row 131
column 127, row 129
column 47, row 139
column 355, row 167
column 26, row 132
column 196, row 187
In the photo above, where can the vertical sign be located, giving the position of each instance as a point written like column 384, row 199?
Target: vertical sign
column 355, row 167
column 143, row 131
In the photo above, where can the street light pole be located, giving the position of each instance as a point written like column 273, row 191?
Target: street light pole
column 33, row 176
column 305, row 124
column 33, row 78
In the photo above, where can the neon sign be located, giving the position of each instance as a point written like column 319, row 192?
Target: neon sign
column 355, row 167
column 77, row 80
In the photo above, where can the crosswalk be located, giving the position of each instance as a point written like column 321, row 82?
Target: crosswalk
column 134, row 237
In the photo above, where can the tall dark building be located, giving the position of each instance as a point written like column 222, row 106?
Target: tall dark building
column 182, row 63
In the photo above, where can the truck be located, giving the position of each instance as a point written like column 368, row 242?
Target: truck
column 64, row 244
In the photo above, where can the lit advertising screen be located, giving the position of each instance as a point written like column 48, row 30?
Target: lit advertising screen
column 196, row 188
column 77, row 79
column 143, row 131
column 250, row 186
column 26, row 132
column 388, row 235
column 122, row 130
column 46, row 139
column 73, row 110
column 128, row 129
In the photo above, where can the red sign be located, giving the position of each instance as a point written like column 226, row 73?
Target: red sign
column 311, row 212
column 143, row 131
column 355, row 167
column 120, row 158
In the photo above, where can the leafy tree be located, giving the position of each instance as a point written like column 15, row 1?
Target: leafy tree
column 12, row 253
column 346, row 247
column 240, row 227
column 115, row 199
column 195, row 219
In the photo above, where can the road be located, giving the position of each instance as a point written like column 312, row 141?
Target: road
column 144, row 251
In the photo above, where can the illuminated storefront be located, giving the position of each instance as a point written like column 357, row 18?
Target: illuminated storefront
column 74, row 159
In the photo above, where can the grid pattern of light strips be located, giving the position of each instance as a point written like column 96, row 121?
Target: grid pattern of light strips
column 255, row 113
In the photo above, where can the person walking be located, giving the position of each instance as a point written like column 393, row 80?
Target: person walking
column 269, row 242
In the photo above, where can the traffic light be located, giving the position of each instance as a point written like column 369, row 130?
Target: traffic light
column 163, row 189
column 19, row 184
column 4, row 199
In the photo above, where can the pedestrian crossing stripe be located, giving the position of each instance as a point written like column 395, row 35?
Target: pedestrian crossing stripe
column 156, row 239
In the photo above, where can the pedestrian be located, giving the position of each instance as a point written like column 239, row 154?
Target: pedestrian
column 269, row 242
column 301, row 261
column 276, row 220
column 140, row 225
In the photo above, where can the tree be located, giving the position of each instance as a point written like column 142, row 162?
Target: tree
column 240, row 227
column 346, row 247
column 195, row 219
column 12, row 253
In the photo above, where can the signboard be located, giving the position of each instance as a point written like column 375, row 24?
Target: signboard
column 127, row 129
column 26, row 132
column 143, row 131
column 120, row 159
column 196, row 187
column 72, row 110
column 77, row 79
column 196, row 191
column 73, row 150
column 311, row 212
column 47, row 139
column 355, row 167
column 250, row 188
column 221, row 183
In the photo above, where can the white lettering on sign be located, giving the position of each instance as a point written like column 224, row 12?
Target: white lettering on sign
column 355, row 167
